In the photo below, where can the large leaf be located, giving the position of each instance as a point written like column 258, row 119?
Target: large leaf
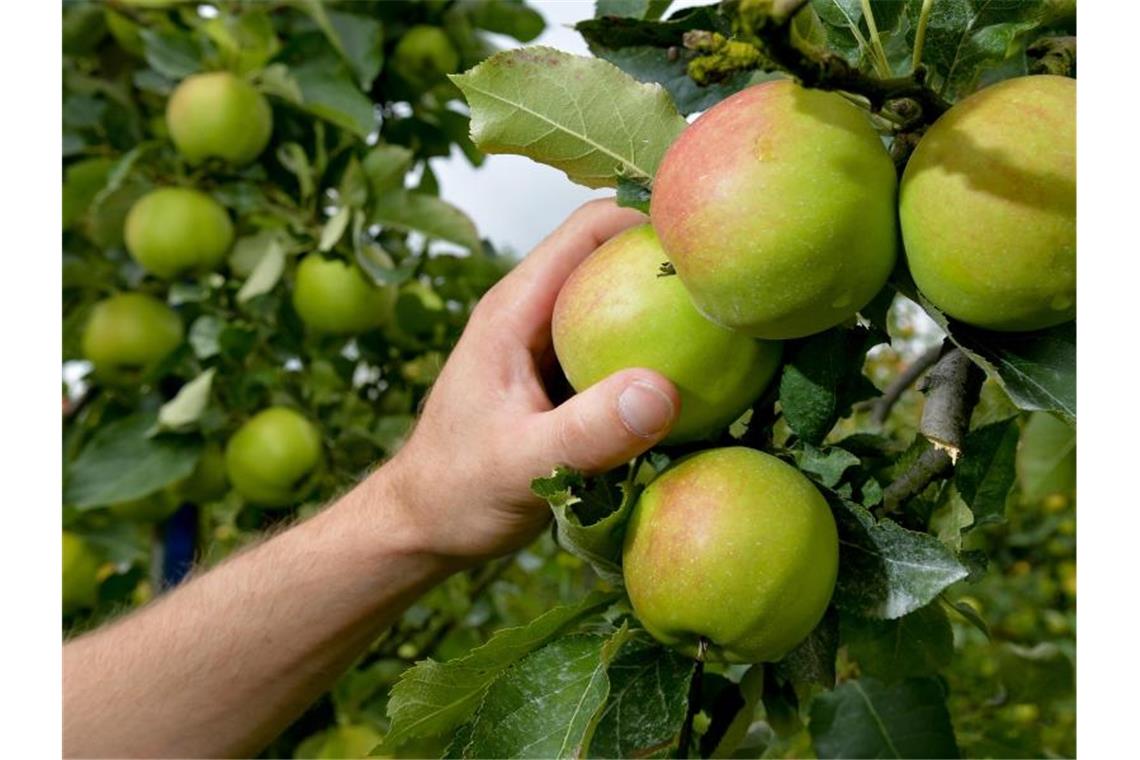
column 1047, row 458
column 885, row 570
column 590, row 517
column 434, row 698
column 648, row 697
column 918, row 644
column 866, row 718
column 430, row 216
column 581, row 115
column 987, row 471
column 187, row 406
column 548, row 704
column 121, row 463
column 325, row 88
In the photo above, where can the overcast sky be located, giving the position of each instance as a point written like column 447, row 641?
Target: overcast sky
column 514, row 201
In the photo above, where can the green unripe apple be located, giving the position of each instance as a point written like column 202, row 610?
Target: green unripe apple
column 128, row 334
column 218, row 115
column 616, row 312
column 988, row 206
column 333, row 296
column 777, row 209
column 424, row 55
column 347, row 741
column 175, row 230
column 270, row 458
column 735, row 546
column 80, row 573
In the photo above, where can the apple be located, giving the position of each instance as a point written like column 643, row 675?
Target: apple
column 616, row 312
column 270, row 457
column 424, row 55
column 128, row 334
column 988, row 206
column 350, row 740
column 333, row 296
column 218, row 115
column 735, row 546
column 80, row 573
column 777, row 209
column 175, row 230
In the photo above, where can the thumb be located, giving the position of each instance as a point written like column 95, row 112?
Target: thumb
column 609, row 423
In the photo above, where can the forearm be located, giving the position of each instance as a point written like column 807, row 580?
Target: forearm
column 223, row 664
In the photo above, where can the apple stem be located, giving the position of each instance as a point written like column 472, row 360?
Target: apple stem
column 686, row 736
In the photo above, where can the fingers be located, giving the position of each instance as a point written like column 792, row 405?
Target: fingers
column 607, row 424
column 528, row 293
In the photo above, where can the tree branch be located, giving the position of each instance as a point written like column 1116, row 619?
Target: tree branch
column 951, row 389
column 881, row 408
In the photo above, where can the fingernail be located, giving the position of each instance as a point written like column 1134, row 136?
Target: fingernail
column 644, row 409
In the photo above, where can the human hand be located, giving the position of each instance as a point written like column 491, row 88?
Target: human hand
column 489, row 428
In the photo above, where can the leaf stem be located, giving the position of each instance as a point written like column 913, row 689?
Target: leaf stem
column 920, row 33
column 686, row 736
column 880, row 56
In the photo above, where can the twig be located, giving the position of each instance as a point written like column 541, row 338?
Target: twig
column 951, row 389
column 920, row 34
column 881, row 408
column 686, row 736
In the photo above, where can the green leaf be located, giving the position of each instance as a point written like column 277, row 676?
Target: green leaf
column 548, row 703
column 385, row 167
column 121, row 463
column 986, row 473
column 325, row 88
column 885, row 570
column 823, row 377
column 733, row 714
column 360, row 42
column 187, row 406
column 203, row 335
column 246, row 40
column 430, row 216
column 434, row 698
column 825, row 465
column 172, row 54
column 648, row 698
column 334, row 228
column 633, row 195
column 1036, row 674
column 1047, row 458
column 249, row 250
column 82, row 182
column 645, row 9
column 590, row 514
column 653, row 65
column 918, row 644
column 265, row 274
column 544, row 104
column 846, row 32
column 510, row 17
column 866, row 718
column 813, row 659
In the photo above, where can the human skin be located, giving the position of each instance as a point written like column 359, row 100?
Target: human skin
column 175, row 230
column 271, row 455
column 128, row 333
column 332, row 296
column 735, row 546
column 218, row 115
column 615, row 311
column 988, row 206
column 777, row 209
column 222, row 664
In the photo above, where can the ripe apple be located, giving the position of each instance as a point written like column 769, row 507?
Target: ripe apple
column 777, row 209
column 80, row 573
column 333, row 296
column 218, row 115
column 424, row 55
column 270, row 457
column 616, row 312
column 988, row 206
column 174, row 230
column 735, row 546
column 128, row 334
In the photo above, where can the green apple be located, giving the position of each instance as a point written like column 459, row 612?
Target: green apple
column 615, row 312
column 175, row 230
column 424, row 55
column 988, row 206
column 333, row 296
column 270, row 457
column 777, row 209
column 128, row 334
column 80, row 573
column 353, row 740
column 218, row 115
column 735, row 546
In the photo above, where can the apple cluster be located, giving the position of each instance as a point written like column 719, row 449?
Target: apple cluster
column 781, row 215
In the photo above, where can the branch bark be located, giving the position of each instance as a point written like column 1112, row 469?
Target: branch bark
column 881, row 409
column 951, row 389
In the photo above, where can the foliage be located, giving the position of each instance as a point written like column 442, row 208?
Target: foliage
column 955, row 606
